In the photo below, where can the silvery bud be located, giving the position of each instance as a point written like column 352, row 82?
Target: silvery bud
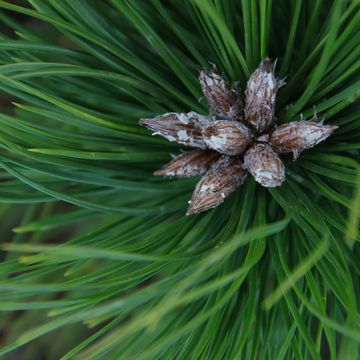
column 265, row 165
column 227, row 137
column 188, row 164
column 182, row 128
column 223, row 177
column 299, row 135
column 222, row 98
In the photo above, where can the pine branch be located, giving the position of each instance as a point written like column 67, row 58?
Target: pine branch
column 99, row 258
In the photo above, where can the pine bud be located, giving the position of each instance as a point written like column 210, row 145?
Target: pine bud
column 224, row 176
column 299, row 135
column 182, row 128
column 188, row 164
column 223, row 99
column 227, row 137
column 265, row 165
column 260, row 96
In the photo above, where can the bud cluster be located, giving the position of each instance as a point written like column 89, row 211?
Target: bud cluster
column 236, row 139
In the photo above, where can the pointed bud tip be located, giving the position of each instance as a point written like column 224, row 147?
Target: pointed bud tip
column 196, row 209
column 204, row 72
column 213, row 68
column 332, row 128
column 266, row 65
column 144, row 121
column 329, row 129
column 191, row 210
column 159, row 173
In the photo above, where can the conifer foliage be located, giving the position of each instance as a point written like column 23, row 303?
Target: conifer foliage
column 99, row 260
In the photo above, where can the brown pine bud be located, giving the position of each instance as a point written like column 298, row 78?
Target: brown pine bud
column 188, row 164
column 227, row 137
column 265, row 165
column 260, row 96
column 182, row 128
column 224, row 176
column 299, row 135
column 222, row 98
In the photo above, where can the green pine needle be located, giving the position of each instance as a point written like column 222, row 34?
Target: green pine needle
column 99, row 259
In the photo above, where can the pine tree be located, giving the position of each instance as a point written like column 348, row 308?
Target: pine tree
column 100, row 260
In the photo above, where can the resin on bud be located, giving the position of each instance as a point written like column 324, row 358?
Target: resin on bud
column 222, row 98
column 182, row 128
column 265, row 165
column 299, row 135
column 260, row 96
column 227, row 137
column 188, row 164
column 223, row 177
